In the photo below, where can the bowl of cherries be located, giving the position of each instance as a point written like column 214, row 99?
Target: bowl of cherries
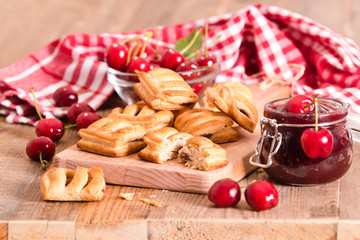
column 189, row 58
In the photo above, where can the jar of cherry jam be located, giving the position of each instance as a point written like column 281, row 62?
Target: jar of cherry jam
column 279, row 149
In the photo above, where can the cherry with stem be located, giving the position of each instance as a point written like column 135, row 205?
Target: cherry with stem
column 52, row 128
column 316, row 142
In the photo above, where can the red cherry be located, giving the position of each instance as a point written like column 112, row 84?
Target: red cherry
column 197, row 87
column 261, row 195
column 317, row 144
column 52, row 128
column 224, row 193
column 296, row 104
column 77, row 108
column 40, row 148
column 84, row 119
column 116, row 55
column 138, row 64
column 206, row 61
column 171, row 59
column 188, row 66
column 65, row 96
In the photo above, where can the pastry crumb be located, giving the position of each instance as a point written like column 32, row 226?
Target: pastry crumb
column 152, row 196
column 156, row 203
column 127, row 196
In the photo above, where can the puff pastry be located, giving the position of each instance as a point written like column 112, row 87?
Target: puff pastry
column 112, row 137
column 82, row 184
column 163, row 144
column 203, row 122
column 201, row 153
column 141, row 114
column 237, row 88
column 164, row 89
column 234, row 103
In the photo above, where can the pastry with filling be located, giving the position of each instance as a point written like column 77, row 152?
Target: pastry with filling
column 142, row 114
column 234, row 103
column 201, row 153
column 164, row 89
column 82, row 184
column 163, row 144
column 112, row 137
column 203, row 122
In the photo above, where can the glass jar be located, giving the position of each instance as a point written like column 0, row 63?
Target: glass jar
column 279, row 150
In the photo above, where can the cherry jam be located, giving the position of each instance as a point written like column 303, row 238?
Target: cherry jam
column 280, row 151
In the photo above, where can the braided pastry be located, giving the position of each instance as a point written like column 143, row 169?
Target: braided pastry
column 82, row 184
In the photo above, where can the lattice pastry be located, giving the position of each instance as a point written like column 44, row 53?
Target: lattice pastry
column 141, row 114
column 112, row 137
column 82, row 184
column 234, row 103
column 201, row 153
column 164, row 89
column 163, row 144
column 203, row 122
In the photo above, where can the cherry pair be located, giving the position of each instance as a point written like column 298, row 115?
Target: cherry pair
column 260, row 195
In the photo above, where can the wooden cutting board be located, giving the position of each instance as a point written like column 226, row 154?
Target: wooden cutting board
column 173, row 175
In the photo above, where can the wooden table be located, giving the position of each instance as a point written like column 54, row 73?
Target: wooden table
column 329, row 211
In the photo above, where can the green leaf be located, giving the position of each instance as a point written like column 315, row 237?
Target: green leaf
column 186, row 46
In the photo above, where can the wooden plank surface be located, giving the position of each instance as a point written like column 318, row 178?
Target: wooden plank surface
column 28, row 25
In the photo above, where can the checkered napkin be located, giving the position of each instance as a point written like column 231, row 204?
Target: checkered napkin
column 258, row 39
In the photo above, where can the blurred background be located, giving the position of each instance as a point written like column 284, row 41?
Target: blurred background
column 27, row 25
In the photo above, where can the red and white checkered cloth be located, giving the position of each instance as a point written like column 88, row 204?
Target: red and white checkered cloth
column 259, row 38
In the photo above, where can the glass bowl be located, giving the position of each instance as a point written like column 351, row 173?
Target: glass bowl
column 123, row 82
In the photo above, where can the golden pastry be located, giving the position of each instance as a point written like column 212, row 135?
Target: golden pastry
column 112, row 137
column 203, row 122
column 201, row 153
column 163, row 144
column 164, row 89
column 141, row 114
column 82, row 184
column 236, row 104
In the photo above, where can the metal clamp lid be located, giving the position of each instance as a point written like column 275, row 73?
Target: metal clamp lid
column 276, row 139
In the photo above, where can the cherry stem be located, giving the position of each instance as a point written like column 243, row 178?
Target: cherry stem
column 215, row 39
column 129, row 53
column 205, row 40
column 157, row 45
column 82, row 92
column 70, row 126
column 245, row 186
column 193, row 54
column 149, row 35
column 44, row 163
column 35, row 105
column 191, row 43
column 132, row 38
column 137, row 49
column 136, row 71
